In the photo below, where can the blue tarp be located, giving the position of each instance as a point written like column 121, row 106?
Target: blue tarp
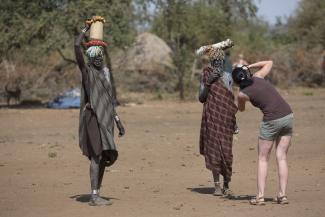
column 68, row 99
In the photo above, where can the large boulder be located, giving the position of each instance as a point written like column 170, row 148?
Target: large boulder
column 147, row 64
column 149, row 54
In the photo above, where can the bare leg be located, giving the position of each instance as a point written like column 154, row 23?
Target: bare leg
column 94, row 174
column 282, row 147
column 101, row 172
column 95, row 179
column 216, row 179
column 216, row 176
column 225, row 184
column 264, row 150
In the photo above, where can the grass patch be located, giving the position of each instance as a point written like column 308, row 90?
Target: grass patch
column 52, row 154
column 308, row 93
column 54, row 146
column 158, row 96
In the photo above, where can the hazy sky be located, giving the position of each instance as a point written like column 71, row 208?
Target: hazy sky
column 270, row 9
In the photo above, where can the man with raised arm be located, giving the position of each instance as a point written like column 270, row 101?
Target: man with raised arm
column 97, row 112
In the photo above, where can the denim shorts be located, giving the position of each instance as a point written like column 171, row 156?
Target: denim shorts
column 271, row 130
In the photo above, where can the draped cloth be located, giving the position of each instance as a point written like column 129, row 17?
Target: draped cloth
column 96, row 125
column 217, row 127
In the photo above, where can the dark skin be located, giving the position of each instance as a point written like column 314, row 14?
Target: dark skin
column 213, row 77
column 98, row 63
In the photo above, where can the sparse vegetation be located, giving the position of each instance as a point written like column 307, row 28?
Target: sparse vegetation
column 36, row 47
column 308, row 93
column 52, row 154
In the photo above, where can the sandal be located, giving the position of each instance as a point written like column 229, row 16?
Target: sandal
column 227, row 193
column 217, row 190
column 257, row 201
column 281, row 200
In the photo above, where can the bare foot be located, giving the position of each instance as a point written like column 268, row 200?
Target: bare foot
column 96, row 200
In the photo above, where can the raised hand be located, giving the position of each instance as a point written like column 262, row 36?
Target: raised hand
column 86, row 28
column 88, row 23
column 212, row 78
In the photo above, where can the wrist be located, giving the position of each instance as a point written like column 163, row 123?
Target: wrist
column 84, row 30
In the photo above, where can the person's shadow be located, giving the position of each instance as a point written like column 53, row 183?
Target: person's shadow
column 248, row 197
column 202, row 190
column 84, row 198
column 210, row 190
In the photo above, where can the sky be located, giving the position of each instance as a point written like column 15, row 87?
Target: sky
column 270, row 9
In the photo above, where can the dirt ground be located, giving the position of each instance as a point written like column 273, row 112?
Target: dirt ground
column 159, row 171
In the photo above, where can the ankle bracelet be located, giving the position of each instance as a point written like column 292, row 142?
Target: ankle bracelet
column 95, row 191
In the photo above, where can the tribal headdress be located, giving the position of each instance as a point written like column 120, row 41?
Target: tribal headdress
column 215, row 51
column 96, row 41
column 95, row 51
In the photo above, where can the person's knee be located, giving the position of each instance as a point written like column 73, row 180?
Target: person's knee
column 263, row 156
column 280, row 156
column 94, row 162
column 281, row 153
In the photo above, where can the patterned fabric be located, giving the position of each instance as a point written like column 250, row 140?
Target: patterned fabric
column 215, row 53
column 101, row 105
column 217, row 127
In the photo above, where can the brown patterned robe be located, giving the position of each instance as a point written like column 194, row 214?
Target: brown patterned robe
column 217, row 127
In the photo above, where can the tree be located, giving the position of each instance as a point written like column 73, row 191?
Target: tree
column 52, row 24
column 308, row 24
column 187, row 25
column 36, row 29
column 237, row 9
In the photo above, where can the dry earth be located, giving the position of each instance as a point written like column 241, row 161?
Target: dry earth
column 159, row 171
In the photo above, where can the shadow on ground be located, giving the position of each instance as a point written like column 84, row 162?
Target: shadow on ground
column 202, row 190
column 248, row 197
column 210, row 190
column 84, row 198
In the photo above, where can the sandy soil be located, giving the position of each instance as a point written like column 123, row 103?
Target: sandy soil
column 159, row 171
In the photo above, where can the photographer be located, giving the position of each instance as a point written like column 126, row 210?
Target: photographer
column 276, row 126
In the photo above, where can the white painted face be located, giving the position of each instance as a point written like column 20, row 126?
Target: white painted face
column 97, row 61
column 96, row 56
column 217, row 63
